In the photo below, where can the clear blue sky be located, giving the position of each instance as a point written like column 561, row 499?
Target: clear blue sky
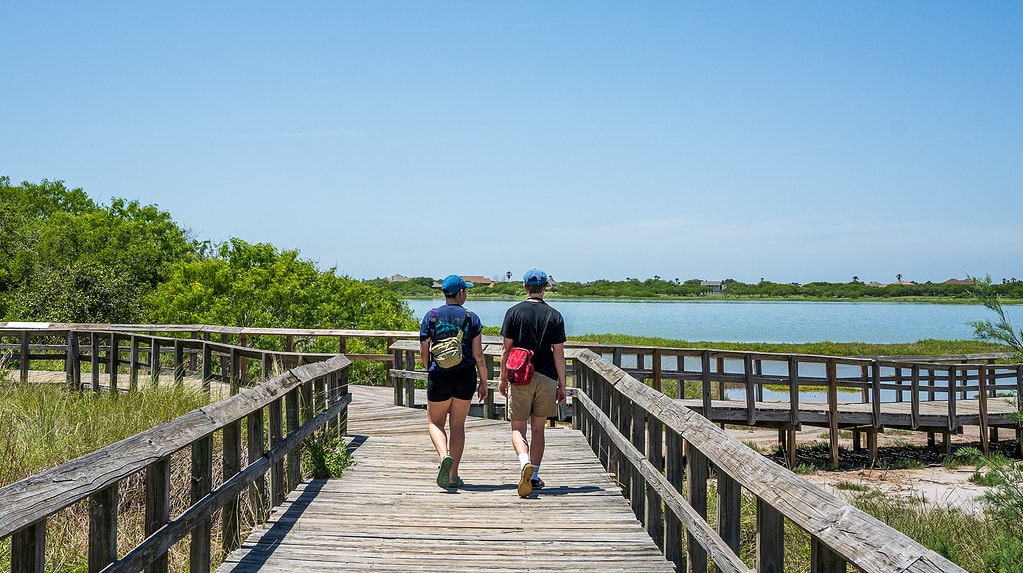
column 790, row 141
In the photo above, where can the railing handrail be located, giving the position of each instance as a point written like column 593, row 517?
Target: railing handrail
column 77, row 479
column 850, row 533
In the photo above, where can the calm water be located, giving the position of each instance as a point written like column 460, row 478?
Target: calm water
column 721, row 321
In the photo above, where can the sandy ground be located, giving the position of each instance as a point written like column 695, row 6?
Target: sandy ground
column 933, row 485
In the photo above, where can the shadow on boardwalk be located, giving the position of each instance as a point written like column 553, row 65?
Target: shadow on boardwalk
column 387, row 513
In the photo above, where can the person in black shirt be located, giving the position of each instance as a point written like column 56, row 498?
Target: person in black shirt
column 534, row 325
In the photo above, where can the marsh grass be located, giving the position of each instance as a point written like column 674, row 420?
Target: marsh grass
column 42, row 426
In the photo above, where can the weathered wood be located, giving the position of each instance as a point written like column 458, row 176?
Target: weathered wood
column 199, row 558
column 823, row 559
column 231, row 465
column 158, row 486
column 28, row 549
column 729, row 510
column 697, row 472
column 833, row 410
column 102, row 528
column 42, row 494
column 843, row 528
column 770, row 539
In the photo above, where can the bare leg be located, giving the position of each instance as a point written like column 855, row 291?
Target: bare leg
column 536, row 427
column 458, row 411
column 519, row 437
column 438, row 414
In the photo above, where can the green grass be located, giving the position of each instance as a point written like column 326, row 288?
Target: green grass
column 42, row 426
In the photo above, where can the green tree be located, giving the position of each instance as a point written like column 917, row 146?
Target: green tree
column 66, row 259
column 255, row 285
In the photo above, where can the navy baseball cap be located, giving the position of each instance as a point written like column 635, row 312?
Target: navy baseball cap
column 535, row 277
column 452, row 284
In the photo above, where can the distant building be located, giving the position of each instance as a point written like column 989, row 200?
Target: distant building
column 875, row 284
column 398, row 279
column 476, row 280
column 959, row 282
column 712, row 286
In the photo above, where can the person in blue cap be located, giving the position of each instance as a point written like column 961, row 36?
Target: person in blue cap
column 533, row 325
column 452, row 374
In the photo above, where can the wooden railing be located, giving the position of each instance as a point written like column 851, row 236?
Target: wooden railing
column 709, row 374
column 623, row 417
column 664, row 455
column 288, row 408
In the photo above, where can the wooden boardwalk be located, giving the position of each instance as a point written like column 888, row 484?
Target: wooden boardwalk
column 387, row 514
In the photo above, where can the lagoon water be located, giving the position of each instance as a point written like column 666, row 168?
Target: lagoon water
column 756, row 321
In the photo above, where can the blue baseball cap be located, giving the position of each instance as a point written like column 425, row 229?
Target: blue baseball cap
column 452, row 284
column 535, row 277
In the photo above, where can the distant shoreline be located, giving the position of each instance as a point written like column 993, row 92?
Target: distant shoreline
column 725, row 298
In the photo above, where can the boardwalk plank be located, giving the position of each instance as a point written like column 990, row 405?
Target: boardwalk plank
column 387, row 514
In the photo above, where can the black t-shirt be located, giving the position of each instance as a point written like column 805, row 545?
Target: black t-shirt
column 536, row 326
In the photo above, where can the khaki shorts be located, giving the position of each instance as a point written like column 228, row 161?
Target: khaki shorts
column 538, row 398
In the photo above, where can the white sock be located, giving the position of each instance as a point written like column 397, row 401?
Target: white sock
column 523, row 460
column 536, row 472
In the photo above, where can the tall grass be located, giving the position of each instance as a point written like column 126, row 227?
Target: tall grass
column 42, row 426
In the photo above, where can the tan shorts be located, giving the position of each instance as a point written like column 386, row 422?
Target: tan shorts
column 538, row 398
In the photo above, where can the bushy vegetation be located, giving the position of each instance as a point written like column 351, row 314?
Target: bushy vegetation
column 66, row 258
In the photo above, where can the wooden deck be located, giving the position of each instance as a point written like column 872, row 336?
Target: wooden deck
column 387, row 514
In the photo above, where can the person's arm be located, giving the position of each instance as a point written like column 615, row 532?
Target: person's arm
column 559, row 364
column 481, row 366
column 506, row 347
column 424, row 353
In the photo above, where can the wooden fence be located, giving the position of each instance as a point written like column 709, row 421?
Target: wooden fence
column 664, row 455
column 287, row 408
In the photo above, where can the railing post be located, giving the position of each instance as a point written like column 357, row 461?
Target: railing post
column 637, row 427
column 102, row 528
column 28, row 549
column 833, row 409
column 113, row 361
column 94, row 361
column 232, row 461
column 179, row 362
column 158, row 485
column 770, row 538
column 291, row 408
column 154, row 361
column 914, row 397
column 202, row 482
column 674, row 474
column 729, row 509
column 751, row 394
column 982, row 374
column 256, row 448
column 207, row 365
column 823, row 559
column 697, row 472
column 72, row 368
column 655, row 454
column 133, row 364
column 794, row 421
column 24, row 356
column 705, row 378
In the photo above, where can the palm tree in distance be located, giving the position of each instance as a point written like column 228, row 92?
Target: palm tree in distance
column 898, row 277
